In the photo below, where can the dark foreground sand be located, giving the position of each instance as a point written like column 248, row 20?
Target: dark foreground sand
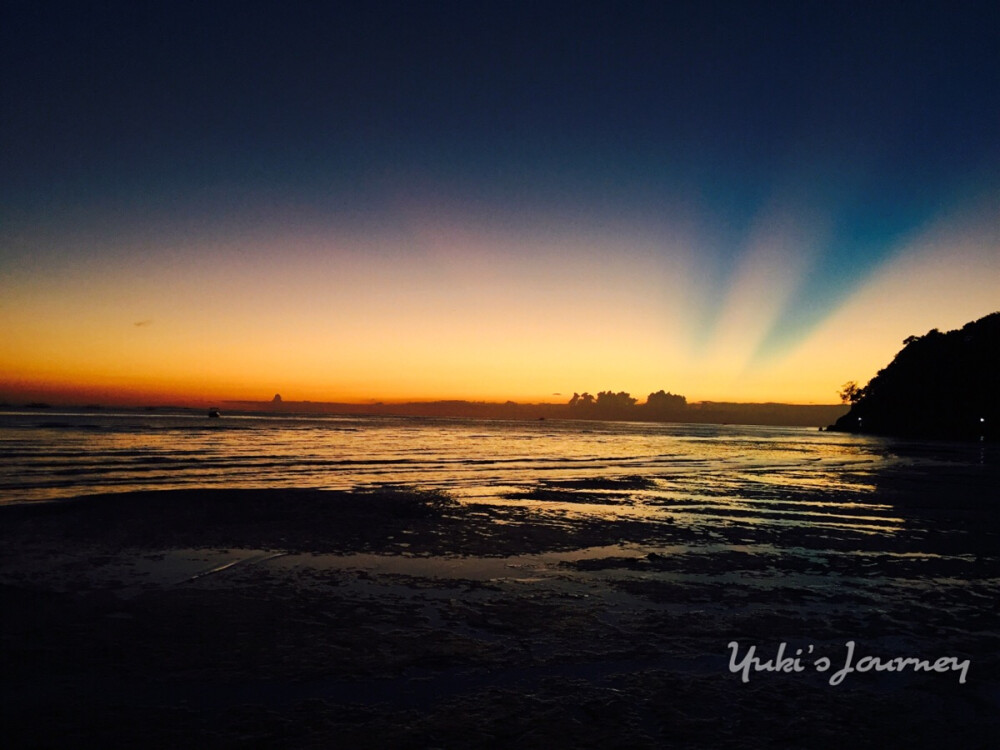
column 320, row 619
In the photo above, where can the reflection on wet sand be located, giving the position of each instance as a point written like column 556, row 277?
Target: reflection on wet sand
column 550, row 609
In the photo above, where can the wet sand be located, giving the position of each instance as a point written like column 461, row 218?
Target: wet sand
column 293, row 618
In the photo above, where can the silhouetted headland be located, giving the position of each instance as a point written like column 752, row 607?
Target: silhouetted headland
column 940, row 385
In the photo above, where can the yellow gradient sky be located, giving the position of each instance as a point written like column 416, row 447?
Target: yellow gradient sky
column 464, row 313
column 384, row 201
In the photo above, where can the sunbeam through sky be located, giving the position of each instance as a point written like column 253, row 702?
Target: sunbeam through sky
column 353, row 201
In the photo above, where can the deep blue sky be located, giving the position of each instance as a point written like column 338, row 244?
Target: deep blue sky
column 890, row 99
column 876, row 116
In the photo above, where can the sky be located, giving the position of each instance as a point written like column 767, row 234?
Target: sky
column 489, row 201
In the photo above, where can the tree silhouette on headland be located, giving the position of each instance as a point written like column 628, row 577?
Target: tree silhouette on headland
column 940, row 385
column 850, row 392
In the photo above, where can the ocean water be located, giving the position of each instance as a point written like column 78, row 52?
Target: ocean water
column 715, row 473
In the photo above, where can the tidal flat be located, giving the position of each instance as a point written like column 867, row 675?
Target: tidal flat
column 565, row 613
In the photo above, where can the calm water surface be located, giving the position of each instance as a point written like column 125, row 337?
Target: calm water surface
column 777, row 474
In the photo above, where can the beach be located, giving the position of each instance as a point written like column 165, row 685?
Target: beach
column 473, row 376
column 596, row 606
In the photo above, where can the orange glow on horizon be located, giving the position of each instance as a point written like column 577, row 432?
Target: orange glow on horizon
column 447, row 311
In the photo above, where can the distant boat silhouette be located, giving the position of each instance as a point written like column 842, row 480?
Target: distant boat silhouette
column 214, row 413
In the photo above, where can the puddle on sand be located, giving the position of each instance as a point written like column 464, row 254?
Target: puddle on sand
column 130, row 572
column 523, row 568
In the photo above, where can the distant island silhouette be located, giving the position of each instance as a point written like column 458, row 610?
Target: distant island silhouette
column 661, row 406
column 940, row 385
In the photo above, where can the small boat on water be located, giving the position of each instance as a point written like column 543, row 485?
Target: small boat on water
column 214, row 413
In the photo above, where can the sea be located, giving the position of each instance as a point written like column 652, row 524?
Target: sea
column 673, row 538
column 710, row 473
